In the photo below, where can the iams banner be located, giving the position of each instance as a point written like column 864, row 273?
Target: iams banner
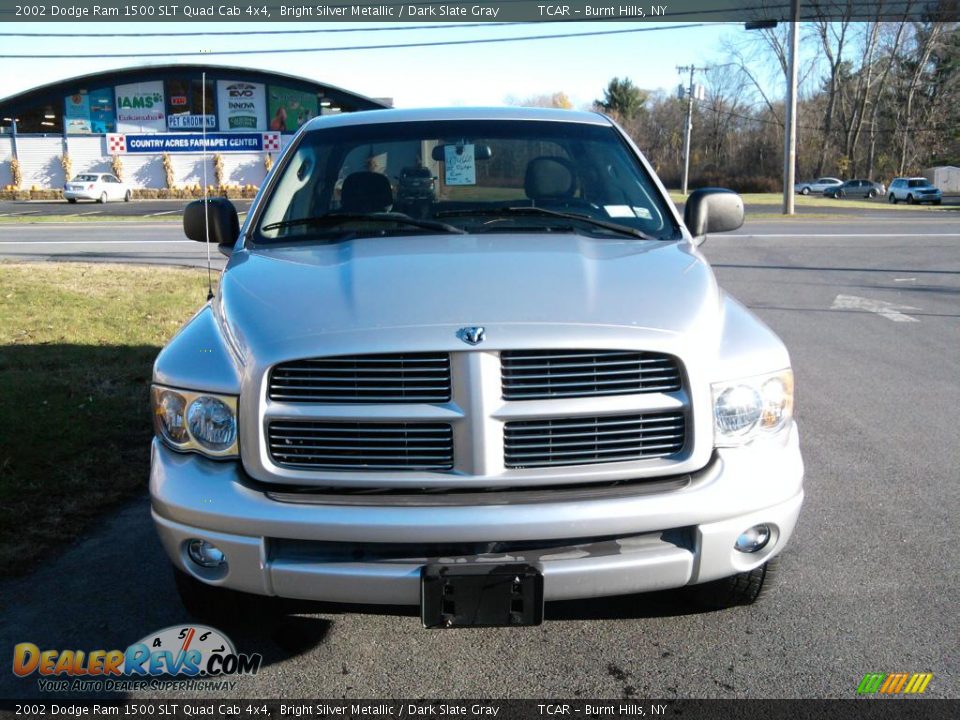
column 242, row 106
column 193, row 143
column 140, row 107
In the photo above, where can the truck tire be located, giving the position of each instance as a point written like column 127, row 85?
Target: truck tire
column 219, row 605
column 743, row 588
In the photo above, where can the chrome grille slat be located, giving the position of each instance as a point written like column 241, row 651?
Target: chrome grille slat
column 361, row 445
column 514, row 375
column 581, row 441
column 388, row 378
column 546, row 374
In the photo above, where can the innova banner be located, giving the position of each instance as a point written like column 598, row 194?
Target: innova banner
column 289, row 109
column 140, row 107
column 242, row 106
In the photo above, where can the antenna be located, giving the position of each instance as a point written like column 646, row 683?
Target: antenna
column 206, row 204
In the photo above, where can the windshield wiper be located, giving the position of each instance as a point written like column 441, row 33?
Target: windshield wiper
column 331, row 220
column 543, row 212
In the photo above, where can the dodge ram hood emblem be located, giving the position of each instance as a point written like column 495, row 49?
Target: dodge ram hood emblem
column 471, row 335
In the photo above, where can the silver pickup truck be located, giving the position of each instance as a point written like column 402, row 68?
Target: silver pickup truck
column 528, row 388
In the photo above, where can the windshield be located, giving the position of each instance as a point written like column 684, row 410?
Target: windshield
column 86, row 178
column 456, row 176
column 919, row 183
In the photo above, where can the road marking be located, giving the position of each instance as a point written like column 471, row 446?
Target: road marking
column 93, row 212
column 904, row 279
column 891, row 311
column 26, row 212
column 165, row 212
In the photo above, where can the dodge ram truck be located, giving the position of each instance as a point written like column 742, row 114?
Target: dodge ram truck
column 527, row 388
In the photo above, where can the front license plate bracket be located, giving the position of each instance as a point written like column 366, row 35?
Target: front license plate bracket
column 481, row 595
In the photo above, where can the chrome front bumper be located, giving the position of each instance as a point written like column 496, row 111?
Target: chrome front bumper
column 618, row 545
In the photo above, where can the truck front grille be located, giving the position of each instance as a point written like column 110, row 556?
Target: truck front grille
column 363, row 446
column 394, row 378
column 588, row 440
column 545, row 374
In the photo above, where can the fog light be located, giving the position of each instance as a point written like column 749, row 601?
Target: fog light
column 205, row 554
column 753, row 539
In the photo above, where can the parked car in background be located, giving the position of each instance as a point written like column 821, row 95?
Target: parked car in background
column 856, row 188
column 534, row 391
column 416, row 189
column 914, row 190
column 818, row 186
column 101, row 187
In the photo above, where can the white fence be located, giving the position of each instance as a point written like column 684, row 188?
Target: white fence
column 40, row 159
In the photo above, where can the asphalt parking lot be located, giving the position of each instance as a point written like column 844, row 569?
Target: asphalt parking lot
column 869, row 305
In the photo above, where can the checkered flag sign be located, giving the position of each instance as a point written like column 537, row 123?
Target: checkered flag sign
column 116, row 144
column 271, row 142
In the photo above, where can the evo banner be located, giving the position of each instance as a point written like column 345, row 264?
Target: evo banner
column 193, row 143
column 243, row 105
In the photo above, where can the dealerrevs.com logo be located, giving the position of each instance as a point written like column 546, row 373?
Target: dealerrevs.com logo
column 201, row 655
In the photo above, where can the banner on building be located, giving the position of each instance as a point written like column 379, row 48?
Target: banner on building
column 103, row 118
column 242, row 106
column 140, row 107
column 192, row 143
column 187, row 121
column 289, row 109
column 76, row 114
column 86, row 113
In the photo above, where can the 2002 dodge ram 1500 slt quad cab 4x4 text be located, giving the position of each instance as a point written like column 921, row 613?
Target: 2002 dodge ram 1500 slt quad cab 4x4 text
column 528, row 387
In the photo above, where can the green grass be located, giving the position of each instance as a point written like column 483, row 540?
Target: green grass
column 77, row 343
column 817, row 201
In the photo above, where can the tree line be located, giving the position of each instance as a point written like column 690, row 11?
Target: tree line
column 877, row 100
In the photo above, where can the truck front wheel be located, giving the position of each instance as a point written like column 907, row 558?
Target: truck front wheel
column 741, row 589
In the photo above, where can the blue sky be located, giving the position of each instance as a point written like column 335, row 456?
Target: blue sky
column 485, row 74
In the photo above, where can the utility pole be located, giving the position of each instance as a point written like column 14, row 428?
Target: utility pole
column 686, row 140
column 790, row 131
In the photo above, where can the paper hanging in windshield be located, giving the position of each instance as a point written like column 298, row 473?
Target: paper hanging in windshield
column 460, row 165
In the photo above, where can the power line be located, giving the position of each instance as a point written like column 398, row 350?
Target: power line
column 388, row 46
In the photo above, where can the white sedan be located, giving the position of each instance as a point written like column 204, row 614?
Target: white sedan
column 96, row 186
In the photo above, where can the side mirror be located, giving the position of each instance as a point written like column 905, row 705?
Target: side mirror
column 712, row 210
column 222, row 216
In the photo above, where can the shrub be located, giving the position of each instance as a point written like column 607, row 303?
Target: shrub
column 168, row 170
column 16, row 173
column 218, row 170
column 66, row 162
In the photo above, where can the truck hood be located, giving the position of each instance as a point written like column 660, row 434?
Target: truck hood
column 278, row 300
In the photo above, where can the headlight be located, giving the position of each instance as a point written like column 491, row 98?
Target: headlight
column 201, row 422
column 746, row 409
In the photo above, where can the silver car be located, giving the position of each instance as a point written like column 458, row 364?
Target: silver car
column 533, row 390
column 914, row 190
column 819, row 186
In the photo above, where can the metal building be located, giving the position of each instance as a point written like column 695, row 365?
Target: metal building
column 144, row 113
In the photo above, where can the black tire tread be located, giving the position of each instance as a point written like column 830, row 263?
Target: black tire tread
column 743, row 588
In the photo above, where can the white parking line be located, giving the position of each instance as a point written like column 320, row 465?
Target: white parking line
column 165, row 212
column 889, row 310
